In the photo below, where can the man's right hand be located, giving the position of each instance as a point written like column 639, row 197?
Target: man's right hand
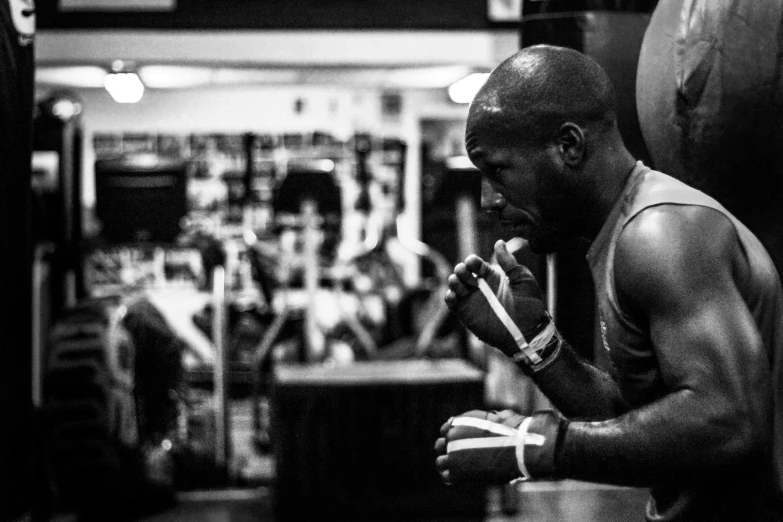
column 494, row 447
column 516, row 289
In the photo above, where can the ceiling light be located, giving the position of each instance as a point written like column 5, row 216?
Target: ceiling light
column 61, row 105
column 123, row 84
column 464, row 90
column 65, row 109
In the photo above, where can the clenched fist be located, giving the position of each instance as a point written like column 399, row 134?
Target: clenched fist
column 497, row 447
column 515, row 288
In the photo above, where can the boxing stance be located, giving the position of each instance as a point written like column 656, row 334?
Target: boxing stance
column 689, row 305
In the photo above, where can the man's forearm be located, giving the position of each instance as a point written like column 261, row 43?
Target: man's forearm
column 579, row 390
column 678, row 435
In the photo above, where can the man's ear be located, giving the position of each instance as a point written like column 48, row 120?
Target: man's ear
column 571, row 144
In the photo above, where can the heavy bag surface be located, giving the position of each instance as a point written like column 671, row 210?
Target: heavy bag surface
column 710, row 104
column 711, row 111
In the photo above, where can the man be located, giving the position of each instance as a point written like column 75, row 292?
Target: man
column 689, row 303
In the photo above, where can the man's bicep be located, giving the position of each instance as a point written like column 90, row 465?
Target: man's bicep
column 709, row 344
column 712, row 356
column 677, row 270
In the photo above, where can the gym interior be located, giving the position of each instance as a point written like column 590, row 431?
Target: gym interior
column 226, row 287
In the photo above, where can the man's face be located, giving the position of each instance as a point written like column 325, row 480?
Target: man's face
column 521, row 183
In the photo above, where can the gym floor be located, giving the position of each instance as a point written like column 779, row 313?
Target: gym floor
column 566, row 501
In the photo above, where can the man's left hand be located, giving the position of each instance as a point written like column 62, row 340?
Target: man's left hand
column 516, row 289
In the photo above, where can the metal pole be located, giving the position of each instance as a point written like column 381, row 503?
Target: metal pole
column 467, row 231
column 37, row 323
column 222, row 441
column 540, row 401
column 551, row 284
column 315, row 345
column 68, row 184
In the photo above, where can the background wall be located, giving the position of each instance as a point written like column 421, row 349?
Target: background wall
column 340, row 111
column 278, row 14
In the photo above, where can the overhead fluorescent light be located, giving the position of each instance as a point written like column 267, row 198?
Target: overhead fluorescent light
column 181, row 77
column 464, row 90
column 89, row 76
column 174, row 76
column 426, row 77
column 194, row 76
column 431, row 77
column 228, row 76
column 117, row 5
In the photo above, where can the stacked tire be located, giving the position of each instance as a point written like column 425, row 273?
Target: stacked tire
column 104, row 459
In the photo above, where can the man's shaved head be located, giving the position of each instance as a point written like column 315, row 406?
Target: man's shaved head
column 538, row 89
column 543, row 132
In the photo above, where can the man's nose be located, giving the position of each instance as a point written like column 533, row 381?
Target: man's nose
column 491, row 200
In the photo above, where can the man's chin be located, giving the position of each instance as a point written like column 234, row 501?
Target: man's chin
column 511, row 231
column 542, row 246
column 537, row 243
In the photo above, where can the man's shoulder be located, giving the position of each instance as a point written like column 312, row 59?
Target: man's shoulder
column 673, row 229
column 657, row 188
column 669, row 245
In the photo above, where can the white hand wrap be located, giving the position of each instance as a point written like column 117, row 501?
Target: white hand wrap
column 529, row 352
column 481, row 449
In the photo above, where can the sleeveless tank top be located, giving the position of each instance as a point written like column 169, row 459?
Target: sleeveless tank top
column 632, row 355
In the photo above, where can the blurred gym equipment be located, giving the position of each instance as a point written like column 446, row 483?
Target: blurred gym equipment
column 140, row 197
column 110, row 370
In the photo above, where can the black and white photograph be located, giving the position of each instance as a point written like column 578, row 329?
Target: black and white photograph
column 362, row 260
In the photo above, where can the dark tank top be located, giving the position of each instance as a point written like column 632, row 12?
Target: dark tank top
column 752, row 494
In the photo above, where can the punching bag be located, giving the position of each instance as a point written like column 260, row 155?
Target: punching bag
column 711, row 107
column 17, row 23
column 711, row 111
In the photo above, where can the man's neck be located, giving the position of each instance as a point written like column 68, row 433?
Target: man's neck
column 611, row 174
